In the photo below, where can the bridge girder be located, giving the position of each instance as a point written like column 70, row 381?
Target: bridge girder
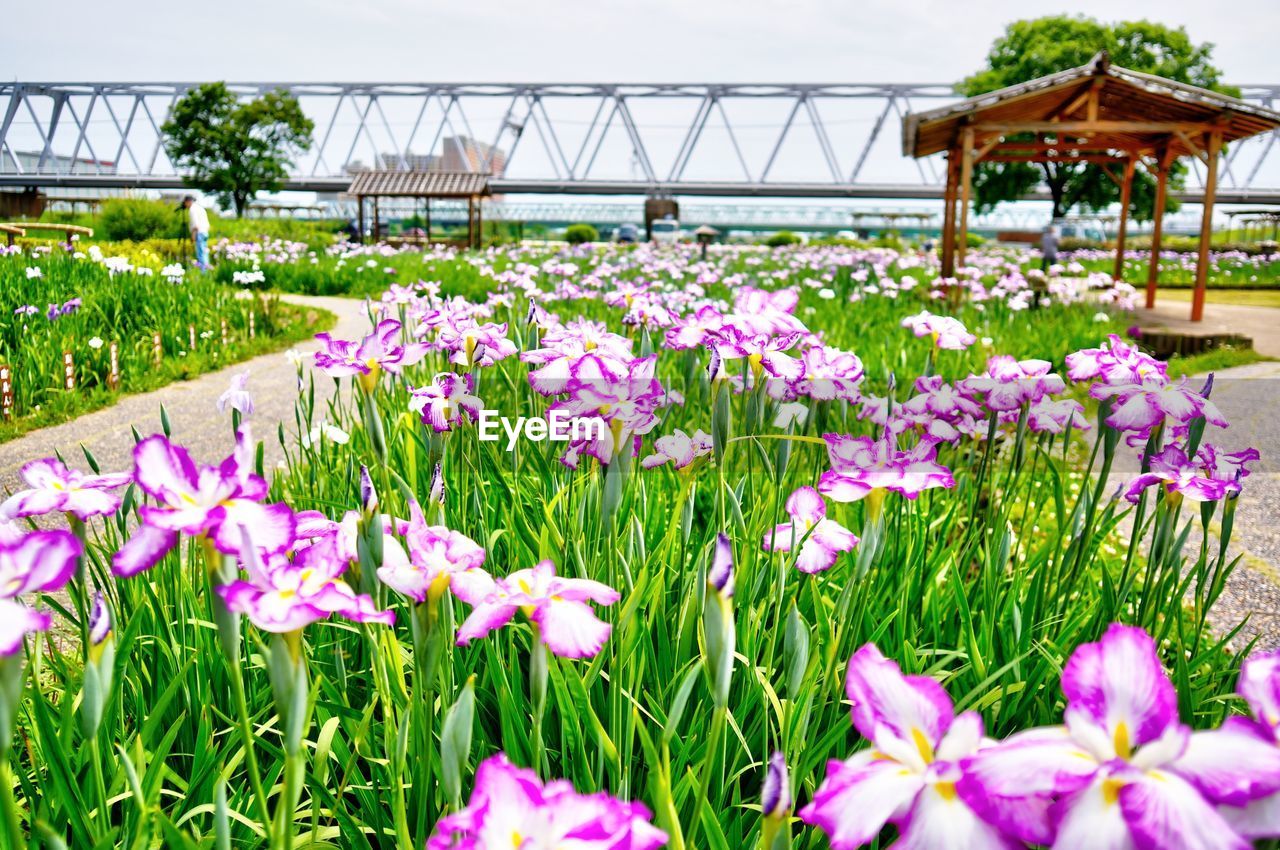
column 818, row 140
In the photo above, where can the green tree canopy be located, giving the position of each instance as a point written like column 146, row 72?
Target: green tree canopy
column 233, row 148
column 1033, row 48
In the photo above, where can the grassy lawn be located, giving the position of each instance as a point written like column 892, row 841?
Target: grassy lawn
column 1243, row 297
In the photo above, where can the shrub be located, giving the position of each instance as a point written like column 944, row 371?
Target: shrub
column 577, row 234
column 782, row 237
column 139, row 219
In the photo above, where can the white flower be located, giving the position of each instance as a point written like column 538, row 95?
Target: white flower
column 1101, row 317
column 294, row 356
column 145, row 271
column 34, row 272
column 244, row 295
column 826, row 294
column 174, row 272
column 96, row 342
column 237, row 395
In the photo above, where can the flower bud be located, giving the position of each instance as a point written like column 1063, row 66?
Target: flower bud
column 720, row 576
column 1208, row 386
column 368, row 495
column 775, row 795
column 436, row 494
column 718, row 629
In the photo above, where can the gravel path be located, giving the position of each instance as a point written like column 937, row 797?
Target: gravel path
column 191, row 407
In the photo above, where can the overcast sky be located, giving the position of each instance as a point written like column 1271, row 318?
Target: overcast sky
column 595, row 40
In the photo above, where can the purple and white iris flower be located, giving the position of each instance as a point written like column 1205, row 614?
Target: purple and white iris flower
column 1010, row 383
column 51, row 487
column 945, row 331
column 283, row 595
column 908, row 777
column 31, row 562
column 438, row 560
column 447, row 401
column 862, row 466
column 200, row 500
column 1256, row 739
column 821, row 540
column 367, row 357
column 556, row 606
column 1192, row 478
column 510, row 807
column 1122, row 772
column 679, row 449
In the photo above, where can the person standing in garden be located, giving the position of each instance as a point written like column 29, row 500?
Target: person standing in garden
column 1049, row 246
column 198, row 224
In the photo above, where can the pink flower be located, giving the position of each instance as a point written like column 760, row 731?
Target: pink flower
column 51, row 486
column 556, row 606
column 283, row 595
column 31, row 562
column 824, row 539
column 945, row 331
column 510, row 808
column 377, row 351
column 861, row 466
column 678, row 449
column 1189, row 477
column 200, row 500
column 909, row 774
column 438, row 559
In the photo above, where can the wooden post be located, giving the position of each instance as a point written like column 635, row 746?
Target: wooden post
column 1126, row 189
column 428, row 200
column 479, row 223
column 377, row 226
column 1157, row 225
column 360, row 207
column 1206, row 225
column 949, row 215
column 6, row 391
column 966, row 181
column 471, row 221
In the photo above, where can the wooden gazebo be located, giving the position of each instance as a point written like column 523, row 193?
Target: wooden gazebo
column 1094, row 113
column 424, row 184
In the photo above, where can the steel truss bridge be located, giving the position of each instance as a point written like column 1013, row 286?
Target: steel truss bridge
column 688, row 139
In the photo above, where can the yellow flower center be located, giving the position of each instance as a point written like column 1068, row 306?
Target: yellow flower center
column 1124, row 747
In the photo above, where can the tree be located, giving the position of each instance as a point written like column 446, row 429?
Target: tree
column 1034, row 48
column 233, row 148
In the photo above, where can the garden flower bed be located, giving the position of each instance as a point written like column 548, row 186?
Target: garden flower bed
column 808, row 547
column 77, row 330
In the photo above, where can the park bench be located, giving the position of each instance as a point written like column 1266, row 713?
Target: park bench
column 68, row 230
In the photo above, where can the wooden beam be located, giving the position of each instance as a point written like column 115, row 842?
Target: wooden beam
column 1126, row 191
column 987, row 147
column 1191, row 146
column 966, row 188
column 1206, row 226
column 949, row 214
column 1010, row 127
column 360, row 207
column 1164, row 163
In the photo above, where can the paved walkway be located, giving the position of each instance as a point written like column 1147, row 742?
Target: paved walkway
column 1261, row 324
column 191, row 407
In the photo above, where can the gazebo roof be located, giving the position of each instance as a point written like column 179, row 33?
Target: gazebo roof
column 1103, row 106
column 398, row 183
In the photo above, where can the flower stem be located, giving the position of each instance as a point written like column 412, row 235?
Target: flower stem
column 246, row 735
